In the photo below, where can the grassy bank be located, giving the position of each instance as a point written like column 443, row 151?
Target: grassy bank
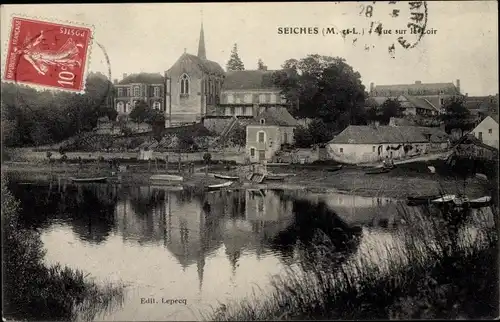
column 435, row 272
column 35, row 291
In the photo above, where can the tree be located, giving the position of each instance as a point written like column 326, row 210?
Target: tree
column 234, row 62
column 324, row 87
column 316, row 132
column 390, row 108
column 143, row 113
column 456, row 115
column 260, row 65
column 239, row 136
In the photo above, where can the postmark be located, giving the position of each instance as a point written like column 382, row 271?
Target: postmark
column 48, row 54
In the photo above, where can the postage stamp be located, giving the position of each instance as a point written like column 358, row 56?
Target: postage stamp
column 48, row 54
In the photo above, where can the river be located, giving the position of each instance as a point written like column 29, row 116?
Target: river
column 200, row 249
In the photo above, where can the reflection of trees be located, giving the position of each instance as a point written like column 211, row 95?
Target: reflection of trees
column 318, row 233
column 88, row 208
column 144, row 203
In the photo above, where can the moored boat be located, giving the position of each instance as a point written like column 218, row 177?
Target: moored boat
column 219, row 185
column 480, row 202
column 166, row 179
column 226, row 177
column 444, row 199
column 90, row 179
column 421, row 200
column 334, row 169
column 378, row 170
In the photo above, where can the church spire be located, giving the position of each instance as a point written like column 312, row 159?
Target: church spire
column 201, row 45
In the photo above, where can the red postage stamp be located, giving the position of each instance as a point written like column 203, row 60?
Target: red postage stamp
column 48, row 54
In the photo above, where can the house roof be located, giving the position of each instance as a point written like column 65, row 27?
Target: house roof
column 275, row 116
column 249, row 79
column 143, row 78
column 416, row 89
column 420, row 102
column 471, row 139
column 206, row 65
column 365, row 134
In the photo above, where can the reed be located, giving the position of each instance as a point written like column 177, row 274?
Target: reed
column 437, row 269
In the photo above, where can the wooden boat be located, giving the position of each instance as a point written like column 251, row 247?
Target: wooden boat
column 90, row 179
column 222, row 176
column 444, row 199
column 271, row 177
column 166, row 178
column 334, row 169
column 256, row 177
column 219, row 185
column 480, row 202
column 421, row 200
column 169, row 188
column 378, row 170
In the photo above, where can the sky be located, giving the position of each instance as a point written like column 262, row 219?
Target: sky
column 150, row 37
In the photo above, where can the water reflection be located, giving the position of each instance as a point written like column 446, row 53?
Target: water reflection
column 159, row 240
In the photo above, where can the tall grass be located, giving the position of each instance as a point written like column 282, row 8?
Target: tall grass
column 34, row 291
column 439, row 268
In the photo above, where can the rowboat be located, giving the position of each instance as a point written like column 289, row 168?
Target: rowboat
column 480, row 202
column 445, row 199
column 169, row 188
column 222, row 176
column 91, row 179
column 334, row 169
column 219, row 185
column 165, row 178
column 274, row 178
column 421, row 200
column 378, row 170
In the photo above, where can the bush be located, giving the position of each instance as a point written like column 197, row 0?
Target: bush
column 33, row 291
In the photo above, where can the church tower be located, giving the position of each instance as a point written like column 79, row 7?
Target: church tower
column 201, row 45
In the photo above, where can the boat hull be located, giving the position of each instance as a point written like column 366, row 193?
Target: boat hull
column 166, row 178
column 89, row 180
column 219, row 186
column 221, row 176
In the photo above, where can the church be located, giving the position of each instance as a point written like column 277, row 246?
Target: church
column 194, row 87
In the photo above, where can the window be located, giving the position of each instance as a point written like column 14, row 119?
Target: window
column 238, row 98
column 230, row 98
column 184, row 84
column 273, row 98
column 232, row 110
column 156, row 92
column 120, row 107
column 129, row 91
column 341, row 150
column 262, row 121
column 441, row 101
column 248, row 98
column 127, row 107
column 262, row 98
column 490, row 131
column 261, row 137
column 285, row 138
column 252, row 152
column 137, row 91
column 120, row 92
column 373, row 148
column 156, row 105
column 480, row 136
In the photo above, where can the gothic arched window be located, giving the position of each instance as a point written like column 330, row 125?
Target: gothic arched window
column 184, row 84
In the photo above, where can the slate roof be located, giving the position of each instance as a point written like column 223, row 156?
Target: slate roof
column 416, row 89
column 420, row 102
column 275, row 116
column 366, row 134
column 206, row 65
column 143, row 78
column 249, row 79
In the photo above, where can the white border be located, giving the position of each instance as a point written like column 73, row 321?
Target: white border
column 46, row 87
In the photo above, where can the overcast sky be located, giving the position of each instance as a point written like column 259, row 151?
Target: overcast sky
column 151, row 37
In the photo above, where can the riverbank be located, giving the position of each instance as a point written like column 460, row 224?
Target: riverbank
column 35, row 291
column 434, row 274
column 399, row 183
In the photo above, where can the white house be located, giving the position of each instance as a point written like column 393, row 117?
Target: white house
column 487, row 131
column 373, row 143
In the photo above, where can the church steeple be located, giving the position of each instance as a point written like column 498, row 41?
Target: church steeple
column 201, row 45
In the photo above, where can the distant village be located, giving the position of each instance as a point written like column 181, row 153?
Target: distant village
column 197, row 96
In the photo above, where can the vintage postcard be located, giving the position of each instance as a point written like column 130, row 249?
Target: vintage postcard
column 250, row 161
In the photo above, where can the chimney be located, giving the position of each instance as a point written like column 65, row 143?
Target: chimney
column 124, row 75
column 418, row 82
column 115, row 81
column 466, row 94
column 458, row 85
column 372, row 86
